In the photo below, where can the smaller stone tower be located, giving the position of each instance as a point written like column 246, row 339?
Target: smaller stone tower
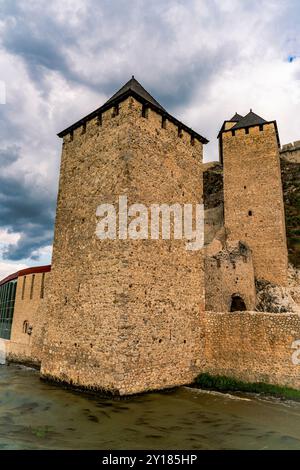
column 254, row 211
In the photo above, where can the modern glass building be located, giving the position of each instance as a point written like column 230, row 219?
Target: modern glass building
column 7, row 305
column 8, row 289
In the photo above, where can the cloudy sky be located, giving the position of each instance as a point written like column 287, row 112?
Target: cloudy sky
column 202, row 59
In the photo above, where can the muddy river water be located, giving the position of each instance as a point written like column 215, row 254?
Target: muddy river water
column 37, row 415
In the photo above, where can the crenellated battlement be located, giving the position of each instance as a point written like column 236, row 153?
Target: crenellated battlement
column 131, row 110
column 291, row 147
column 128, row 103
column 291, row 151
column 252, row 129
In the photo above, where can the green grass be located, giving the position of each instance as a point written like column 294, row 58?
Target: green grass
column 228, row 384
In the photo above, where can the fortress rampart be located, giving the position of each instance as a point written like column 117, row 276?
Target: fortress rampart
column 291, row 152
column 253, row 346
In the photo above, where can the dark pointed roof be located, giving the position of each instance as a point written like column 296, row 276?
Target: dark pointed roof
column 136, row 87
column 236, row 118
column 251, row 119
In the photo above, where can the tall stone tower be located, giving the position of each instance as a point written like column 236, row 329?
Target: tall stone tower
column 123, row 314
column 254, row 211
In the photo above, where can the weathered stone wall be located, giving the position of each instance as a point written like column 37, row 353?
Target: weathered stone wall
column 123, row 314
column 25, row 326
column 213, row 222
column 252, row 346
column 254, row 211
column 229, row 272
column 291, row 152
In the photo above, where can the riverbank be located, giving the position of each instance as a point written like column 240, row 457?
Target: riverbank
column 37, row 415
column 222, row 383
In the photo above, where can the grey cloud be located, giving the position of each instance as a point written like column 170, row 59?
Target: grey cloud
column 129, row 33
column 26, row 208
column 9, row 155
column 99, row 50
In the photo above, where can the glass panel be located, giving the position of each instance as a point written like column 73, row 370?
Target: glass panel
column 7, row 305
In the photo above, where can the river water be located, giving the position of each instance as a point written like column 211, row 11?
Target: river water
column 37, row 415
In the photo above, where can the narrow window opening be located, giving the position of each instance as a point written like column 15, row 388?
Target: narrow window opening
column 71, row 136
column 115, row 111
column 180, row 133
column 145, row 112
column 247, row 130
column 164, row 122
column 42, row 286
column 261, row 127
column 25, row 326
column 23, row 287
column 192, row 140
column 83, row 130
column 232, row 132
column 32, row 286
column 250, row 213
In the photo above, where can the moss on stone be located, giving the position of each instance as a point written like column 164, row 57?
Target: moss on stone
column 228, row 384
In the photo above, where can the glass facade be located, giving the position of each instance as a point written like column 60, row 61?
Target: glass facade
column 7, row 304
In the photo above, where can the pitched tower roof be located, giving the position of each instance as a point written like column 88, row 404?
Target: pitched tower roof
column 236, row 118
column 134, row 86
column 251, row 119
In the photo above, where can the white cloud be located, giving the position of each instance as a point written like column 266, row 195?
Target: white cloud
column 6, row 237
column 9, row 268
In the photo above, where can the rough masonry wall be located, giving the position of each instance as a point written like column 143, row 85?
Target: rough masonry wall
column 254, row 211
column 229, row 272
column 291, row 152
column 123, row 314
column 25, row 327
column 252, row 346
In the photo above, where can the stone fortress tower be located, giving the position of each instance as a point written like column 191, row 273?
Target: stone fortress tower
column 122, row 315
column 131, row 315
column 253, row 199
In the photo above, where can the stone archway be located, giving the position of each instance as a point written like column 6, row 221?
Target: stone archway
column 237, row 304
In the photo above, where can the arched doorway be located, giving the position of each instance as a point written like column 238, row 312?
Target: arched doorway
column 237, row 304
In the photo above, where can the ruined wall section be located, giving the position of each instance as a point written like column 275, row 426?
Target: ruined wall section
column 229, row 272
column 123, row 313
column 254, row 211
